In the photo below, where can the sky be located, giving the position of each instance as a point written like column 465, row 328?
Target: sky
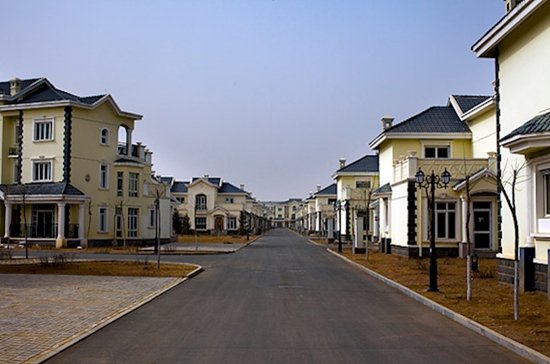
column 265, row 93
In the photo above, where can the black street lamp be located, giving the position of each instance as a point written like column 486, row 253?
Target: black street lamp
column 338, row 208
column 429, row 183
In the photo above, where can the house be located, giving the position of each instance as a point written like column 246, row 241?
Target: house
column 282, row 213
column 213, row 205
column 354, row 185
column 519, row 43
column 322, row 214
column 65, row 176
column 458, row 137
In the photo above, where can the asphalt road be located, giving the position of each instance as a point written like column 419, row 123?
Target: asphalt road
column 283, row 300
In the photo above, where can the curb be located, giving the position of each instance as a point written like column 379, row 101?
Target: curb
column 492, row 335
column 70, row 341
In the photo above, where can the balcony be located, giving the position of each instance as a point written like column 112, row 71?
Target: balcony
column 406, row 168
column 137, row 151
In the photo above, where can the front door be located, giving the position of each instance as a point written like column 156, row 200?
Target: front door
column 482, row 225
column 44, row 224
column 218, row 224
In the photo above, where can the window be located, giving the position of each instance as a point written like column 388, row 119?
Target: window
column 133, row 179
column 118, row 222
column 152, row 217
column 200, row 223
column 43, row 130
column 231, row 223
column 546, row 182
column 437, row 152
column 104, row 136
column 42, row 171
column 180, row 199
column 362, row 184
column 119, row 183
column 229, row 200
column 200, row 202
column 445, row 220
column 102, row 220
column 103, row 175
column 132, row 222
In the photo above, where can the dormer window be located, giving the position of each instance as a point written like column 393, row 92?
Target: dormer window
column 43, row 130
column 104, row 136
column 437, row 151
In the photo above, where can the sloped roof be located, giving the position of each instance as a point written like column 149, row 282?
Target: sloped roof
column 167, row 180
column 179, row 186
column 468, row 102
column 436, row 119
column 368, row 163
column 227, row 187
column 54, row 188
column 383, row 189
column 537, row 125
column 5, row 85
column 213, row 180
column 329, row 190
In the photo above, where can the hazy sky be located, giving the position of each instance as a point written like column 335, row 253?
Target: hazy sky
column 265, row 93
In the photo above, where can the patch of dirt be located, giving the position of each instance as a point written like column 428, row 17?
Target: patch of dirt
column 491, row 303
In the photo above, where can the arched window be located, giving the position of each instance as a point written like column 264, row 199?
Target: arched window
column 104, row 136
column 200, row 202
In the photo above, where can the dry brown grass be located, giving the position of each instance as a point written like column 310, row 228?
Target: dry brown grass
column 221, row 239
column 138, row 268
column 491, row 303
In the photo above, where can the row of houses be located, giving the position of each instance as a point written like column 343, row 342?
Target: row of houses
column 70, row 174
column 482, row 141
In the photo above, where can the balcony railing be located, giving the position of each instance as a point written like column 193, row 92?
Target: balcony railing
column 46, row 231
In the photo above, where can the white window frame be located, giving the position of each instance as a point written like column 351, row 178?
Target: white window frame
column 231, row 223
column 133, row 222
column 45, row 162
column 437, row 146
column 44, row 121
column 446, row 212
column 201, row 205
column 104, row 139
column 152, row 217
column 104, row 176
column 102, row 219
column 133, row 184
column 120, row 184
column 205, row 227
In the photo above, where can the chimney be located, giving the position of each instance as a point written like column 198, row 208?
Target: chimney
column 342, row 162
column 206, row 176
column 318, row 188
column 509, row 5
column 242, row 187
column 15, row 86
column 387, row 122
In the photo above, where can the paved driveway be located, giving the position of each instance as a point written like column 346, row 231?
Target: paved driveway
column 284, row 300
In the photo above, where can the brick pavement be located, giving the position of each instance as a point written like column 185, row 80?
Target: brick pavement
column 40, row 314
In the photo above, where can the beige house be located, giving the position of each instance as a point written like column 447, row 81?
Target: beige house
column 214, row 206
column 520, row 45
column 459, row 137
column 66, row 178
column 354, row 185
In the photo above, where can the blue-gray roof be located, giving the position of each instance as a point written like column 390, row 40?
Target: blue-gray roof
column 468, row 102
column 368, row 163
column 229, row 188
column 46, row 92
column 214, row 180
column 179, row 186
column 329, row 190
column 383, row 189
column 537, row 125
column 436, row 119
column 30, row 189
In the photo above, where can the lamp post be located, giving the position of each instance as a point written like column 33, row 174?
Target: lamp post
column 429, row 183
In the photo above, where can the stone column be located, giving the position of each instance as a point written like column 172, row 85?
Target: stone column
column 7, row 219
column 382, row 224
column 463, row 249
column 81, row 216
column 60, row 225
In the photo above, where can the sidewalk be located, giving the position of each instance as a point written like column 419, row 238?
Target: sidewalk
column 41, row 315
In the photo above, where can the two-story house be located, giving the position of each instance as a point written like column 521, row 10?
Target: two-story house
column 459, row 138
column 355, row 183
column 66, row 177
column 519, row 43
column 211, row 204
column 324, row 216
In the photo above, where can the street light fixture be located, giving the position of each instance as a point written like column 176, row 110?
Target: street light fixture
column 429, row 183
